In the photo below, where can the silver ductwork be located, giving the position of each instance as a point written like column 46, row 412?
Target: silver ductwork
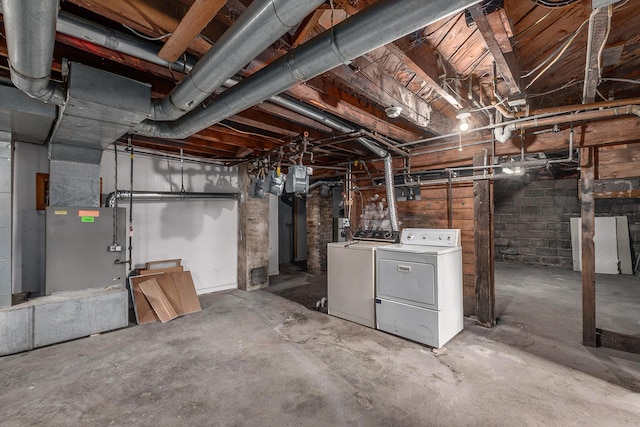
column 165, row 196
column 375, row 26
column 264, row 22
column 120, row 42
column 30, row 28
column 391, row 193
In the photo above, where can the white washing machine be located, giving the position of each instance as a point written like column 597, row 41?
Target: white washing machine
column 351, row 276
column 419, row 286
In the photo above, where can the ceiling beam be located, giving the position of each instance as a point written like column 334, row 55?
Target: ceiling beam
column 598, row 29
column 306, row 30
column 199, row 15
column 323, row 93
column 423, row 60
column 153, row 18
column 386, row 91
column 496, row 38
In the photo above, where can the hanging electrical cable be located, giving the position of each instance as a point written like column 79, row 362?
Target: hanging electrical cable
column 554, row 3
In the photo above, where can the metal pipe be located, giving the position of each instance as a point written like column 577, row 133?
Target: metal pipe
column 375, row 26
column 503, row 134
column 165, row 196
column 30, row 30
column 391, row 192
column 264, row 22
column 100, row 35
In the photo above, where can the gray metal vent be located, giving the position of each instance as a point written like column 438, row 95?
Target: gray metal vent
column 100, row 108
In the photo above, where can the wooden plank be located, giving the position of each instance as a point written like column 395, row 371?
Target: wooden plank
column 506, row 61
column 598, row 28
column 163, row 263
column 422, row 59
column 587, row 213
column 485, row 287
column 616, row 188
column 306, row 30
column 143, row 310
column 158, row 300
column 618, row 341
column 197, row 17
column 181, row 292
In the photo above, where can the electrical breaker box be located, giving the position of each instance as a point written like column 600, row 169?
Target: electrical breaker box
column 81, row 251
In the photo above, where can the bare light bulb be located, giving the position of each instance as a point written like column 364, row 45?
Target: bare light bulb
column 464, row 125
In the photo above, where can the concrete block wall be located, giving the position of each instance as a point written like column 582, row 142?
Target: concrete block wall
column 319, row 230
column 532, row 220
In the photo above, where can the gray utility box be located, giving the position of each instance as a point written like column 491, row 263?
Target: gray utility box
column 80, row 250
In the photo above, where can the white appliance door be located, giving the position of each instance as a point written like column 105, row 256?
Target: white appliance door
column 351, row 283
column 408, row 321
column 407, row 281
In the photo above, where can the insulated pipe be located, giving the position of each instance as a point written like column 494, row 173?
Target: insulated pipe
column 30, row 29
column 100, row 35
column 503, row 134
column 264, row 22
column 391, row 192
column 375, row 26
column 165, row 196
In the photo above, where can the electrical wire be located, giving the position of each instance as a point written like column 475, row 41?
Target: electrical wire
column 559, row 51
column 554, row 3
column 163, row 36
column 562, row 51
column 252, row 133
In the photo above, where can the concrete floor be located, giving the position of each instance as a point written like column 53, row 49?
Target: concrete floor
column 263, row 359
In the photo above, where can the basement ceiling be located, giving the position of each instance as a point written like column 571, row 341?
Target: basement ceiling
column 513, row 56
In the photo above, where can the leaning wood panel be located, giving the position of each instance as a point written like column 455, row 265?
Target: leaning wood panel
column 143, row 310
column 158, row 300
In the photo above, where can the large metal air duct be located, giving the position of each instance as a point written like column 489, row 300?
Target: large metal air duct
column 30, row 28
column 264, row 22
column 375, row 26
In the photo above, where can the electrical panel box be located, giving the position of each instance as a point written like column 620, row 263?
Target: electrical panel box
column 85, row 248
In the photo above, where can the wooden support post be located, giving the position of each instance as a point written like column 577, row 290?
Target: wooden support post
column 483, row 219
column 587, row 169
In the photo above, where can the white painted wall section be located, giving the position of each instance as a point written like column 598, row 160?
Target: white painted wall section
column 202, row 233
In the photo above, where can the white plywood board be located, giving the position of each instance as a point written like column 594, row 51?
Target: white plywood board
column 612, row 245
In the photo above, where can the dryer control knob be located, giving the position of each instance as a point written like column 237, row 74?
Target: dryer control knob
column 410, row 236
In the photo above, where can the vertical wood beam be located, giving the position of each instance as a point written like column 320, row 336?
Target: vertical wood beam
column 587, row 213
column 483, row 237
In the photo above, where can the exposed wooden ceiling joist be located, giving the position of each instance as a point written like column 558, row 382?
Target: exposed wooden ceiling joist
column 502, row 52
column 599, row 30
column 196, row 19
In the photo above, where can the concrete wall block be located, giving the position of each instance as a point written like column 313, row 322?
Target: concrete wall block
column 71, row 315
column 538, row 192
column 525, row 251
column 546, row 251
column 508, row 251
column 565, row 183
column 530, row 210
column 16, row 324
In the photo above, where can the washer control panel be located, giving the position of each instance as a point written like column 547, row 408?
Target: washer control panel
column 430, row 237
column 376, row 235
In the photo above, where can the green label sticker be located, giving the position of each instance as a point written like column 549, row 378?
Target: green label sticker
column 87, row 219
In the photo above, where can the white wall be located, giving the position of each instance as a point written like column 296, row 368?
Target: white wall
column 28, row 223
column 203, row 234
